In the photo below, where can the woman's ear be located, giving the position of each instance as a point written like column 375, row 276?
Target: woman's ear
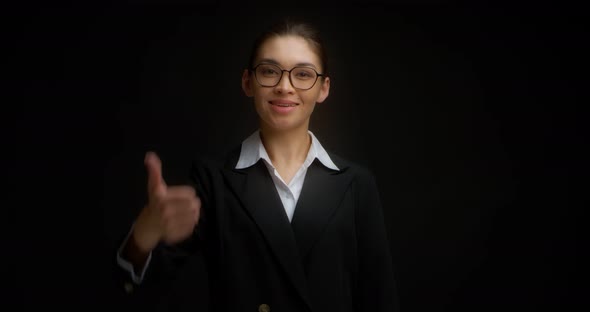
column 246, row 86
column 324, row 90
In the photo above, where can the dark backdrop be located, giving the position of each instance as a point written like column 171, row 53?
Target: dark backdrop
column 467, row 117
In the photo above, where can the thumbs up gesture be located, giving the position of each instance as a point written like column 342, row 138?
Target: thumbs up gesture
column 171, row 214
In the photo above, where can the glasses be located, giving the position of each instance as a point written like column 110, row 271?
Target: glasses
column 269, row 75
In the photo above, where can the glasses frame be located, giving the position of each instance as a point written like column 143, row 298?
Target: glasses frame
column 318, row 75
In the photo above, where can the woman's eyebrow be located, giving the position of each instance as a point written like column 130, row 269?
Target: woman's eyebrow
column 305, row 64
column 272, row 61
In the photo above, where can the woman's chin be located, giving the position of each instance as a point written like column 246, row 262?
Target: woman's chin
column 282, row 125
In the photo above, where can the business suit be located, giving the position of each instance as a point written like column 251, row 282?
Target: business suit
column 333, row 256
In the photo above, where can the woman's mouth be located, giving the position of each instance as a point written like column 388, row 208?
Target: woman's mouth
column 282, row 106
column 283, row 103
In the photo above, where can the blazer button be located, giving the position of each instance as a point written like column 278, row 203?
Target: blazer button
column 263, row 308
column 128, row 287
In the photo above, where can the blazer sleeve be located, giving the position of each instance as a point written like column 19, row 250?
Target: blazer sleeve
column 376, row 289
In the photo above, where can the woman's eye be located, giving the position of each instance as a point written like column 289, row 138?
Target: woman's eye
column 269, row 71
column 304, row 74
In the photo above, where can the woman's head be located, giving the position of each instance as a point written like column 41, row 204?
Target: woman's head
column 289, row 27
column 287, row 76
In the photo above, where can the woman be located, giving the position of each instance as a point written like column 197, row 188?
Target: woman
column 281, row 224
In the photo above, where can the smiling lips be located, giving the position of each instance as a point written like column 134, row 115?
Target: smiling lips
column 283, row 103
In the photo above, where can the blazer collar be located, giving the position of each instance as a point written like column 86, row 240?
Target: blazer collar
column 322, row 192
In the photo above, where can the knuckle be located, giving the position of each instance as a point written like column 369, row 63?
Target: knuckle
column 198, row 207
column 191, row 191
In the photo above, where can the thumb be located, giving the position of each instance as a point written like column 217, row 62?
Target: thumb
column 156, row 184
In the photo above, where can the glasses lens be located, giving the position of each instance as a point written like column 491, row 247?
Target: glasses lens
column 303, row 77
column 268, row 75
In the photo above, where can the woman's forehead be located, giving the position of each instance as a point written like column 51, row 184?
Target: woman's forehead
column 288, row 51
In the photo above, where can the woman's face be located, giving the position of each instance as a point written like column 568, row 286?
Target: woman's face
column 283, row 107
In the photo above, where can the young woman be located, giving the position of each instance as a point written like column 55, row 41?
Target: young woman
column 281, row 224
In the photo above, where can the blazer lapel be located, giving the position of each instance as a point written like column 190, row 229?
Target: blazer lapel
column 321, row 194
column 258, row 194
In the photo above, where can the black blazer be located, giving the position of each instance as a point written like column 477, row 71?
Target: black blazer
column 333, row 256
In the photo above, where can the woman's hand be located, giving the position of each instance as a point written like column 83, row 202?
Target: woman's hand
column 171, row 213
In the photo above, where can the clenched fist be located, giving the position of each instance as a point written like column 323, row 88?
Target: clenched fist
column 171, row 214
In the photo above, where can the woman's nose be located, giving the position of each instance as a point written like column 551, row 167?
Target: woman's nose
column 284, row 84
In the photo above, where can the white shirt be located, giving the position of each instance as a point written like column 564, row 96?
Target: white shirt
column 253, row 150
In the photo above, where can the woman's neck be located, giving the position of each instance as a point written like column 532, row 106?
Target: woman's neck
column 286, row 148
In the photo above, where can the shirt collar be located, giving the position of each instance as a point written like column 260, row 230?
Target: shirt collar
column 252, row 150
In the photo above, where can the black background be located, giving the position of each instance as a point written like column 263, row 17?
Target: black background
column 469, row 118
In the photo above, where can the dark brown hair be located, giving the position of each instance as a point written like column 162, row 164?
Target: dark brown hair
column 292, row 27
